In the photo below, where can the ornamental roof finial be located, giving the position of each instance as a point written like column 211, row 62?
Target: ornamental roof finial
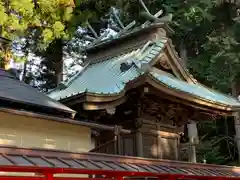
column 119, row 28
column 154, row 18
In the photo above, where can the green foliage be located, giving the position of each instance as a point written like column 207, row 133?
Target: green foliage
column 217, row 145
column 210, row 152
column 218, row 59
column 21, row 18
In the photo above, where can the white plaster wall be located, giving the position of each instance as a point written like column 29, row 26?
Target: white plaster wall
column 28, row 132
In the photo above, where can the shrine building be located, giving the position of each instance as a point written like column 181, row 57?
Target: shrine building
column 120, row 117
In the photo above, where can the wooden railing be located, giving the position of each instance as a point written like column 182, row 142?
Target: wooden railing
column 111, row 147
column 107, row 148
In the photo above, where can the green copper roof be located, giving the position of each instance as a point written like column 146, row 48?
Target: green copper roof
column 195, row 89
column 109, row 77
column 106, row 77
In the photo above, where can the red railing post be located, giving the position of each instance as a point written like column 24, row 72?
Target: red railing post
column 167, row 178
column 119, row 177
column 49, row 176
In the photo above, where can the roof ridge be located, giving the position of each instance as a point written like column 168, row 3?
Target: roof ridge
column 139, row 29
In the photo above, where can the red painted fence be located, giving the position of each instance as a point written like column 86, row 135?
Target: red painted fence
column 48, row 174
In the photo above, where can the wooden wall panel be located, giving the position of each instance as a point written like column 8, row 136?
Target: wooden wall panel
column 157, row 146
column 150, row 146
column 128, row 144
column 168, row 148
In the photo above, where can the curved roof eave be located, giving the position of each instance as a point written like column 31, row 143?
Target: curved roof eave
column 99, row 98
column 201, row 101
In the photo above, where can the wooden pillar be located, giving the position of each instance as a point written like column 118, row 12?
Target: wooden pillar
column 193, row 138
column 237, row 130
column 117, row 139
column 159, row 142
column 139, row 143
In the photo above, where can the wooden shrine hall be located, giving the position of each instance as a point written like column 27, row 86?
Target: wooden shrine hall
column 136, row 81
column 134, row 84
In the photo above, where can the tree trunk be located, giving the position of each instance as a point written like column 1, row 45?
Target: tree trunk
column 24, row 71
column 183, row 54
column 59, row 61
column 52, row 60
column 26, row 53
